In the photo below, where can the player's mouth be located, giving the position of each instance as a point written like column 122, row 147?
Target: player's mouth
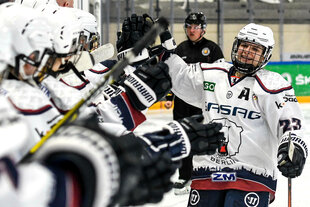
column 246, row 58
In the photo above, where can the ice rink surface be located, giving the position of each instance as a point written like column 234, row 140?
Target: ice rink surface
column 300, row 185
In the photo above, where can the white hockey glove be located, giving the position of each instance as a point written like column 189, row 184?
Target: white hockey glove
column 147, row 85
column 292, row 157
column 89, row 157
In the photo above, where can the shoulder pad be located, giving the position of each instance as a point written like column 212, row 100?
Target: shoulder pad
column 272, row 82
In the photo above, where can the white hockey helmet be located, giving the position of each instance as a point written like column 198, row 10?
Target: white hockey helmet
column 90, row 29
column 255, row 34
column 35, row 3
column 67, row 31
column 31, row 37
column 5, row 49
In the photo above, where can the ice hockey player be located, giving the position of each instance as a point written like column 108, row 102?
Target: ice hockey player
column 260, row 114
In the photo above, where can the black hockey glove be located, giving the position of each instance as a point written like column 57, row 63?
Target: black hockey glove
column 133, row 29
column 290, row 168
column 155, row 180
column 172, row 139
column 204, row 138
column 147, row 85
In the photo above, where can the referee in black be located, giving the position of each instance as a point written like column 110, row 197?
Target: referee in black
column 195, row 49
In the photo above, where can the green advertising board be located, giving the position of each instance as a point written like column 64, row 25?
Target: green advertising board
column 297, row 73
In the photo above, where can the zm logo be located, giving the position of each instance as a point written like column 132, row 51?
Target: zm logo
column 208, row 86
column 223, row 177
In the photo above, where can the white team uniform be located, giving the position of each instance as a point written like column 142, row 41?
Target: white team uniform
column 20, row 129
column 15, row 135
column 36, row 106
column 44, row 107
column 15, row 142
column 255, row 113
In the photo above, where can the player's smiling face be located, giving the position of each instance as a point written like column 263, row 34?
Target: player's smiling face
column 250, row 53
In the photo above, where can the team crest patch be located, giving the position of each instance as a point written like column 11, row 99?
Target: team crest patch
column 194, row 197
column 205, row 51
column 251, row 200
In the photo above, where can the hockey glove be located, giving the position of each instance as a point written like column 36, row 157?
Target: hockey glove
column 155, row 180
column 171, row 139
column 167, row 41
column 133, row 29
column 291, row 168
column 147, row 85
column 204, row 138
column 90, row 158
column 107, row 168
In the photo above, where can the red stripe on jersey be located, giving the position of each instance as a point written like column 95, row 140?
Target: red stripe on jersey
column 99, row 71
column 214, row 68
column 136, row 115
column 73, row 191
column 79, row 87
column 31, row 111
column 239, row 184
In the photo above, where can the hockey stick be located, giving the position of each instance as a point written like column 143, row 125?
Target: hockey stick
column 146, row 40
column 291, row 149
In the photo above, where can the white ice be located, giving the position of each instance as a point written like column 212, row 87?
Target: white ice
column 300, row 185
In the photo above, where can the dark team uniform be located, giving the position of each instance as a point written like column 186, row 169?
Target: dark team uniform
column 205, row 51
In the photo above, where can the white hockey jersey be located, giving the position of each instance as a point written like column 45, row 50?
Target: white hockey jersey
column 16, row 139
column 34, row 104
column 256, row 112
column 44, row 107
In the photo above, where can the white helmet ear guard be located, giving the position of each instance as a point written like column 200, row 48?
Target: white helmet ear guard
column 32, row 39
column 254, row 34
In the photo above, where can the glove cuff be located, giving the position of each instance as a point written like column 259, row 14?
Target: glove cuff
column 176, row 128
column 296, row 141
column 142, row 91
column 167, row 41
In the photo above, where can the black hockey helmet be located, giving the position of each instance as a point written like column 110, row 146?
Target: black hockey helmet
column 196, row 18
